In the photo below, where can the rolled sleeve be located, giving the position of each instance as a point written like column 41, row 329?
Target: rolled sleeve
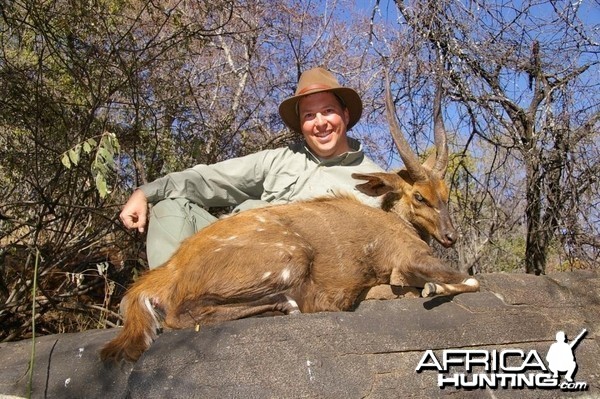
column 226, row 183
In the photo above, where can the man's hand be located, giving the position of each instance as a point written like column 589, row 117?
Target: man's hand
column 134, row 214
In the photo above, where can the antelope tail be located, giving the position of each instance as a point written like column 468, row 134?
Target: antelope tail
column 139, row 330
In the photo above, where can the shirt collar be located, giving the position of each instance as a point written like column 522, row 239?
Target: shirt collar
column 355, row 155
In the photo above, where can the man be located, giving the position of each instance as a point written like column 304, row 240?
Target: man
column 321, row 110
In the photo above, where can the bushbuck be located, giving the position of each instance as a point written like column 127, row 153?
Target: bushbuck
column 312, row 256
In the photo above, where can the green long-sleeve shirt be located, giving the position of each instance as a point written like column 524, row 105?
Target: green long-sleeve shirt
column 272, row 176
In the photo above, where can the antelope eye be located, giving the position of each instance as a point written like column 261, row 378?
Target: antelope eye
column 419, row 197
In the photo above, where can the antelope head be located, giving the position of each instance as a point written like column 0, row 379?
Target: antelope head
column 418, row 192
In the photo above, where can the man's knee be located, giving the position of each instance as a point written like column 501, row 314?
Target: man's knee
column 172, row 221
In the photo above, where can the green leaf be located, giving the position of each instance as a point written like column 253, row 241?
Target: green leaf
column 114, row 143
column 74, row 154
column 66, row 161
column 106, row 156
column 101, row 185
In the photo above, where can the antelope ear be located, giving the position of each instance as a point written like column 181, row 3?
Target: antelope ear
column 377, row 183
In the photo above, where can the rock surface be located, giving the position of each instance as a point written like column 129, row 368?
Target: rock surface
column 369, row 353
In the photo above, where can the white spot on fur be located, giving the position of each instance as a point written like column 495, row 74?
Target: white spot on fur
column 155, row 324
column 285, row 275
column 266, row 275
column 231, row 238
column 369, row 248
column 279, row 244
column 218, row 249
column 148, row 305
column 260, row 230
column 261, row 219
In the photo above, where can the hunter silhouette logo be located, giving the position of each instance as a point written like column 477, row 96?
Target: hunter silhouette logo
column 507, row 368
column 560, row 356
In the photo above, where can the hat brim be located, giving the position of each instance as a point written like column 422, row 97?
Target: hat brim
column 351, row 99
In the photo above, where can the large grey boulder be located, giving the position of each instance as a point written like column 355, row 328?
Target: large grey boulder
column 371, row 352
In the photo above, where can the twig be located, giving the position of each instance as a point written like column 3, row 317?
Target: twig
column 33, row 289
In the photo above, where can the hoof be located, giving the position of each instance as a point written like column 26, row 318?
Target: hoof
column 291, row 306
column 428, row 290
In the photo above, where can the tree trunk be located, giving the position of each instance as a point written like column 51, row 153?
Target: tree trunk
column 535, row 251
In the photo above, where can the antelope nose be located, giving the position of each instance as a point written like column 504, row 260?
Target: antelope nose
column 451, row 237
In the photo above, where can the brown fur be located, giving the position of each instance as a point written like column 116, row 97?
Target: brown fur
column 322, row 253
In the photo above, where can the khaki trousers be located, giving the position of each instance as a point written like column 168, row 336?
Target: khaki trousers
column 171, row 221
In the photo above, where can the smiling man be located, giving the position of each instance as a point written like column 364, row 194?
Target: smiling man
column 323, row 111
column 322, row 164
column 324, row 120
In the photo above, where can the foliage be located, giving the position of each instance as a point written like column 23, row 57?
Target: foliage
column 104, row 159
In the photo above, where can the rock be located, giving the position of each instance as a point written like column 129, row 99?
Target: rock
column 371, row 352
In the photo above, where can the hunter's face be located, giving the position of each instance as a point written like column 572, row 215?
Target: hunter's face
column 323, row 121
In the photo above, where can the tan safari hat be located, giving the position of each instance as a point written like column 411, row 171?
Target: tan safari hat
column 317, row 80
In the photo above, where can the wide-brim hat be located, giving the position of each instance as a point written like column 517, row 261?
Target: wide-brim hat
column 318, row 80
